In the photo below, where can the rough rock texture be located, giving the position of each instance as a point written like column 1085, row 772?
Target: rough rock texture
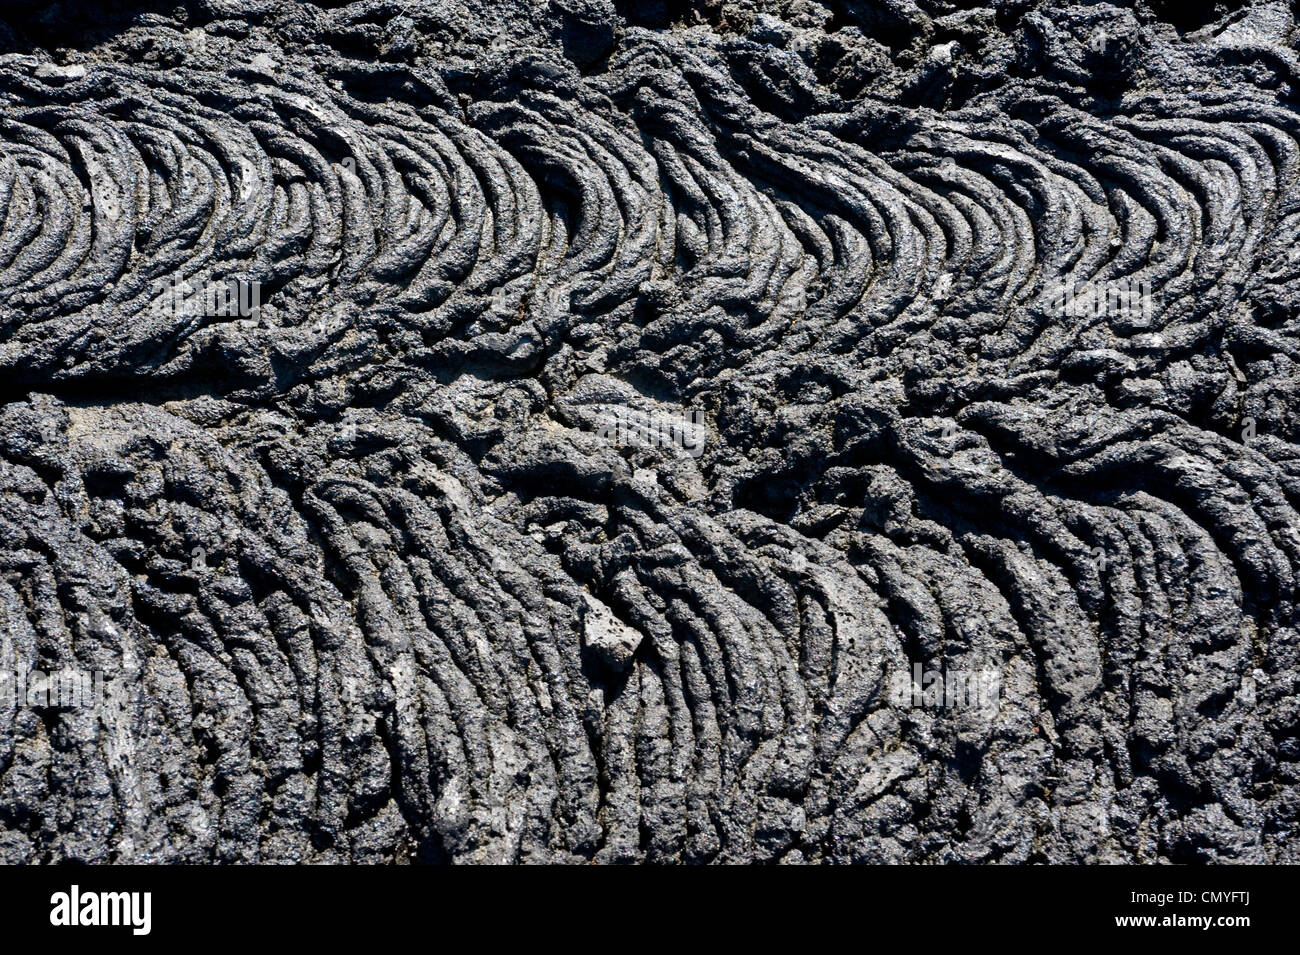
column 379, row 588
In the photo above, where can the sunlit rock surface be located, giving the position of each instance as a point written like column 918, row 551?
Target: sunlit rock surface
column 637, row 396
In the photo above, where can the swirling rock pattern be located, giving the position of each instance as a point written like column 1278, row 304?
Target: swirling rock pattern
column 380, row 587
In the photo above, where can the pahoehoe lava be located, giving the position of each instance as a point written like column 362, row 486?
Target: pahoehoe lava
column 380, row 588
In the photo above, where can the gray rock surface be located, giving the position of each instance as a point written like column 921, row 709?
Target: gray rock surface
column 412, row 563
